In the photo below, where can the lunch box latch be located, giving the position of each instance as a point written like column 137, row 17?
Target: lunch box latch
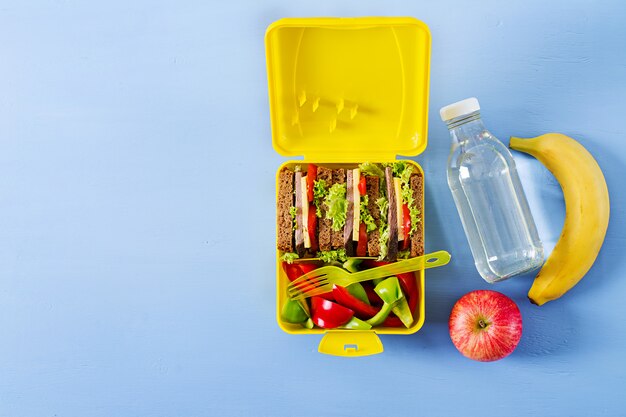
column 350, row 343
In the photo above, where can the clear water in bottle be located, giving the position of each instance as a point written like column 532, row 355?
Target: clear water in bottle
column 489, row 197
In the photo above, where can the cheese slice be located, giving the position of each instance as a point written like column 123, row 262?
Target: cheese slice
column 305, row 214
column 356, row 178
column 398, row 191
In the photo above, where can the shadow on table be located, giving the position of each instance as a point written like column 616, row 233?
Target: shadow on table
column 549, row 330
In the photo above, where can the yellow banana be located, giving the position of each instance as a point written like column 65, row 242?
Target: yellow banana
column 586, row 212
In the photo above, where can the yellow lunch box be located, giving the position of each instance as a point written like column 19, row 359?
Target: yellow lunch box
column 344, row 91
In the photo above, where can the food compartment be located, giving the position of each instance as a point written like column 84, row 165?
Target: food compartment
column 283, row 281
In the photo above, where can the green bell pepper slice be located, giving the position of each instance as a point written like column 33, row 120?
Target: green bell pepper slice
column 356, row 324
column 391, row 294
column 357, row 291
column 389, row 290
column 352, row 265
column 403, row 312
column 292, row 312
column 381, row 315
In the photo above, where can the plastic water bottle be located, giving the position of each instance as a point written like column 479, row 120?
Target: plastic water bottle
column 489, row 197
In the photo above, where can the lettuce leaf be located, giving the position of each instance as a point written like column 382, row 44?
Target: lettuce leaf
column 383, row 241
column 383, row 206
column 329, row 256
column 405, row 174
column 404, row 171
column 407, row 198
column 320, row 191
column 404, row 254
column 369, row 168
column 399, row 168
column 366, row 216
column 375, row 170
column 293, row 211
column 336, row 206
column 415, row 218
column 289, row 257
column 383, row 238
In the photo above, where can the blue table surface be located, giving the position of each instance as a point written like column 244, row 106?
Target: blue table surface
column 137, row 214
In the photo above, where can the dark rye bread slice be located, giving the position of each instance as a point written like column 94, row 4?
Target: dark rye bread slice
column 348, row 229
column 336, row 237
column 324, row 224
column 373, row 194
column 284, row 223
column 392, row 217
column 417, row 237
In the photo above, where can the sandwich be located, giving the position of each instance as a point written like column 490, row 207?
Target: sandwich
column 373, row 210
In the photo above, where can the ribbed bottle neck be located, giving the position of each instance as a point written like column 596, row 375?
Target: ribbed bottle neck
column 467, row 127
column 461, row 120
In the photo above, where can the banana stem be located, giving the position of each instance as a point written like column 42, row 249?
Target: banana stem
column 520, row 144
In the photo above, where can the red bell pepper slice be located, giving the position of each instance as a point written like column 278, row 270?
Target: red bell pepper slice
column 371, row 263
column 361, row 310
column 393, row 321
column 362, row 186
column 307, row 267
column 408, row 282
column 295, row 271
column 329, row 315
column 312, row 223
column 311, row 176
column 361, row 247
column 371, row 295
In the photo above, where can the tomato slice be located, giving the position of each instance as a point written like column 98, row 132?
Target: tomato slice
column 311, row 176
column 406, row 217
column 406, row 227
column 361, row 247
column 362, row 186
column 313, row 227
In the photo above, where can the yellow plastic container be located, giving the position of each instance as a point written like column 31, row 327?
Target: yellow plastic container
column 344, row 91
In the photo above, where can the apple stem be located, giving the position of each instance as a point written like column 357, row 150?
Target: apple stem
column 482, row 323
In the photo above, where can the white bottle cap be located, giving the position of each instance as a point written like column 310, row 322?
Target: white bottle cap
column 460, row 108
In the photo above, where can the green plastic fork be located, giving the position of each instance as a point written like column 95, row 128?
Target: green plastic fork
column 321, row 280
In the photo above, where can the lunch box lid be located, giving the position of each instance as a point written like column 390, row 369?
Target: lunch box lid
column 348, row 89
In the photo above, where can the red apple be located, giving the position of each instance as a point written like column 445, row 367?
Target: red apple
column 485, row 325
